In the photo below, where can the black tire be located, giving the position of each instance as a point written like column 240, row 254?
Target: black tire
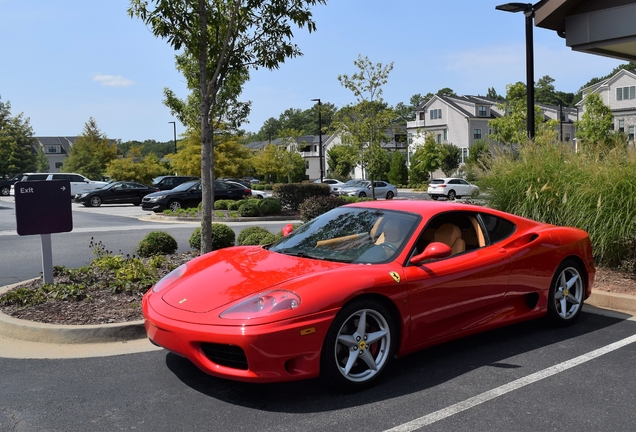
column 95, row 201
column 567, row 293
column 434, row 197
column 451, row 195
column 174, row 205
column 5, row 191
column 389, row 195
column 346, row 353
column 362, row 195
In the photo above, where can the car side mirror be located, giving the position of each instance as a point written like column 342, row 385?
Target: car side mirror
column 434, row 250
column 287, row 229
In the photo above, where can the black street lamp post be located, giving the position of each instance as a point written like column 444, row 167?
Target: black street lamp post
column 322, row 170
column 528, row 11
column 174, row 126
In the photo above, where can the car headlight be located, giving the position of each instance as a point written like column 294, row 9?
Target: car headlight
column 171, row 277
column 264, row 304
column 157, row 198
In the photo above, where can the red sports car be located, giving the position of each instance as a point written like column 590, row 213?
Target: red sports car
column 345, row 293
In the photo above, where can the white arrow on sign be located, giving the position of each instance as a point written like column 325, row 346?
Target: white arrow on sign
column 63, row 188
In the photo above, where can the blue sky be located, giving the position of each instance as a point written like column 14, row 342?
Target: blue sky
column 63, row 62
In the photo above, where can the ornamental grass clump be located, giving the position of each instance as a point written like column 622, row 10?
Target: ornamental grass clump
column 589, row 190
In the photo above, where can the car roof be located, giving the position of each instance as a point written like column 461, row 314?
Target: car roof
column 430, row 208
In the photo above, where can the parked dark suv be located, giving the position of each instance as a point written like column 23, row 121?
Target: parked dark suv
column 169, row 182
column 5, row 184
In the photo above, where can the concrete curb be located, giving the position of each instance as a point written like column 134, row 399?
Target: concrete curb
column 618, row 302
column 19, row 329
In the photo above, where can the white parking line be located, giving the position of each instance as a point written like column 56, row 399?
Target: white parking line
column 506, row 388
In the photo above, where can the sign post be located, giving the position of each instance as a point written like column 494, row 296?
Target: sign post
column 43, row 207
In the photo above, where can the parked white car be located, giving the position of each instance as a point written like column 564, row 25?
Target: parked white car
column 451, row 188
column 79, row 183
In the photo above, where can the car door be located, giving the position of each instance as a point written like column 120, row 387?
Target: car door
column 460, row 292
column 122, row 193
column 193, row 196
column 381, row 188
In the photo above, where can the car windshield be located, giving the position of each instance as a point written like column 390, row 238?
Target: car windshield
column 352, row 235
column 185, row 186
column 351, row 183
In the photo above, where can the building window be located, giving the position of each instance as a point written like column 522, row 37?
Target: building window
column 435, row 113
column 445, row 134
column 621, row 125
column 631, row 133
column 477, row 134
column 58, row 165
column 464, row 156
column 567, row 136
column 410, row 138
column 51, row 149
column 624, row 93
column 483, row 111
column 422, row 116
column 439, row 138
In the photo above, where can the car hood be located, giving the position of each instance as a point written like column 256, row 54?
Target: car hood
column 227, row 275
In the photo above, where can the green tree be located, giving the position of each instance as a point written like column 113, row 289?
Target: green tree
column 268, row 162
column 16, row 143
column 426, row 159
column 512, row 128
column 227, row 38
column 91, row 152
column 129, row 168
column 292, row 160
column 232, row 158
column 492, row 94
column 478, row 150
column 43, row 161
column 594, row 127
column 364, row 124
column 399, row 173
column 341, row 159
column 450, row 162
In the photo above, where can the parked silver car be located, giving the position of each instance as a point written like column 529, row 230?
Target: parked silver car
column 451, row 188
column 362, row 189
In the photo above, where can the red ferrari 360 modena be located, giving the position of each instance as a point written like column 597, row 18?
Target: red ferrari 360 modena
column 347, row 292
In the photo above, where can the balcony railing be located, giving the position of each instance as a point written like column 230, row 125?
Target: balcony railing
column 416, row 124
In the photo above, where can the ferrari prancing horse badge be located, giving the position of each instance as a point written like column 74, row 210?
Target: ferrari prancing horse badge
column 395, row 276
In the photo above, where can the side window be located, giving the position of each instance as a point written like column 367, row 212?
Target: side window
column 459, row 230
column 77, row 178
column 35, row 177
column 497, row 228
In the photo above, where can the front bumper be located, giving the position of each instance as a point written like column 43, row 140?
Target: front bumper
column 279, row 351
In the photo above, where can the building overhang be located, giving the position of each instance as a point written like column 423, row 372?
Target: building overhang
column 601, row 27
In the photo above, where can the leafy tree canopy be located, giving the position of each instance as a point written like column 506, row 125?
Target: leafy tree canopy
column 17, row 152
column 91, row 152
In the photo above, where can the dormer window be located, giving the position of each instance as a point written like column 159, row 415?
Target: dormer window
column 482, row 111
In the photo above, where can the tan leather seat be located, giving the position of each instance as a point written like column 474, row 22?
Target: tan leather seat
column 450, row 235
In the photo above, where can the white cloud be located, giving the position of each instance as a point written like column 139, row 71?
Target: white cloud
column 113, row 80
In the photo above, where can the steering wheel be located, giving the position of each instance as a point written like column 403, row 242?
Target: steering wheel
column 388, row 246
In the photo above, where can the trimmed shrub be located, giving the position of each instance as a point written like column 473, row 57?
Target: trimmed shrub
column 314, row 207
column 269, row 206
column 222, row 236
column 234, row 205
column 249, row 209
column 157, row 243
column 222, row 204
column 292, row 195
column 256, row 235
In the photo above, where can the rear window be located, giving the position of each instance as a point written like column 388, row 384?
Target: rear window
column 437, row 181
